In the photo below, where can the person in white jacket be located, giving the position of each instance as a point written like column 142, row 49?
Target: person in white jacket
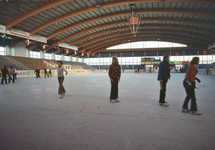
column 60, row 75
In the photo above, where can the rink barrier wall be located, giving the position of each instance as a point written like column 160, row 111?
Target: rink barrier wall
column 203, row 71
column 31, row 73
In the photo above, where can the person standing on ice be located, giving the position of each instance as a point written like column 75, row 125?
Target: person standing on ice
column 190, row 85
column 114, row 74
column 60, row 75
column 163, row 76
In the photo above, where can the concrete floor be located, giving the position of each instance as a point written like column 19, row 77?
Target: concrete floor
column 32, row 117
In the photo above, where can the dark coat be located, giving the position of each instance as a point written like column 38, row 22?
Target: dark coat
column 164, row 71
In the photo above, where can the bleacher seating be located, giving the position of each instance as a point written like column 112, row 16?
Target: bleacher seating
column 24, row 63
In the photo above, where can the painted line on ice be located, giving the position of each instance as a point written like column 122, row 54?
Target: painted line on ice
column 149, row 117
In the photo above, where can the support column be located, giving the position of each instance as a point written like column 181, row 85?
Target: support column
column 12, row 52
column 41, row 54
column 133, row 60
column 53, row 56
column 99, row 61
column 70, row 58
column 62, row 57
column 7, row 50
column 27, row 54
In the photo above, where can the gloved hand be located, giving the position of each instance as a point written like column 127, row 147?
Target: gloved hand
column 198, row 80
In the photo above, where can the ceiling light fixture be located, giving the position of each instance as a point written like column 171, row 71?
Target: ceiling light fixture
column 98, row 6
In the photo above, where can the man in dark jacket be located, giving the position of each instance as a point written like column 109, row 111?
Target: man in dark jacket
column 4, row 75
column 45, row 72
column 163, row 76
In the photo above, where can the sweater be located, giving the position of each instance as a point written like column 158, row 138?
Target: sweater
column 191, row 73
column 164, row 71
column 114, row 71
column 60, row 71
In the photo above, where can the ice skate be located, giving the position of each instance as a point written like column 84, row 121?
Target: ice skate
column 117, row 100
column 185, row 110
column 164, row 104
column 112, row 101
column 195, row 113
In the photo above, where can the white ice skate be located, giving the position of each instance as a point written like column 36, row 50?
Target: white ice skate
column 61, row 96
column 164, row 104
column 195, row 113
column 185, row 110
column 117, row 100
column 112, row 101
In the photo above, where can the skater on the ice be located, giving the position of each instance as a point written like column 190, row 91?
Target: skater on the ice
column 4, row 75
column 45, row 72
column 12, row 74
column 138, row 70
column 114, row 74
column 190, row 85
column 163, row 76
column 38, row 72
column 50, row 73
column 60, row 75
column 207, row 70
column 150, row 70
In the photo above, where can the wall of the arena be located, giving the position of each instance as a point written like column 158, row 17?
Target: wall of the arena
column 132, row 60
column 31, row 73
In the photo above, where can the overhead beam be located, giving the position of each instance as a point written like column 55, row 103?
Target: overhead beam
column 124, row 39
column 146, row 30
column 188, row 21
column 159, row 35
column 187, row 28
column 34, row 46
column 126, row 2
column 35, row 11
column 14, row 43
column 139, row 12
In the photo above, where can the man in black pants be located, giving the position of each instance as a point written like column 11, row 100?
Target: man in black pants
column 163, row 76
column 45, row 72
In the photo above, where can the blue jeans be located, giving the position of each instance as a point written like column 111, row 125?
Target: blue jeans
column 190, row 95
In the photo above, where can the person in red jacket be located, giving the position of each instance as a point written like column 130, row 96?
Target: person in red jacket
column 114, row 74
column 190, row 85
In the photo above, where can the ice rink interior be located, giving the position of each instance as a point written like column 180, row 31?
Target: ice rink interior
column 33, row 117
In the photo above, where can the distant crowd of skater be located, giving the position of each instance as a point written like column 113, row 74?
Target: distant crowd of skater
column 9, row 72
column 46, row 73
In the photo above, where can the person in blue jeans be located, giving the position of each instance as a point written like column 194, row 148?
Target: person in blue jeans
column 4, row 75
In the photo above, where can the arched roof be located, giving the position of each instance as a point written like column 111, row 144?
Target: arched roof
column 84, row 24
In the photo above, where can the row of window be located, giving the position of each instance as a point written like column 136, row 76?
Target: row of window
column 57, row 57
column 204, row 59
column 147, row 44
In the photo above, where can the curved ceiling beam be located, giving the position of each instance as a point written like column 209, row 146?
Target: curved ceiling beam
column 188, row 21
column 183, row 38
column 126, row 13
column 35, row 11
column 110, row 4
column 123, row 22
column 169, row 26
column 121, row 41
column 34, row 46
column 146, row 34
column 151, row 30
